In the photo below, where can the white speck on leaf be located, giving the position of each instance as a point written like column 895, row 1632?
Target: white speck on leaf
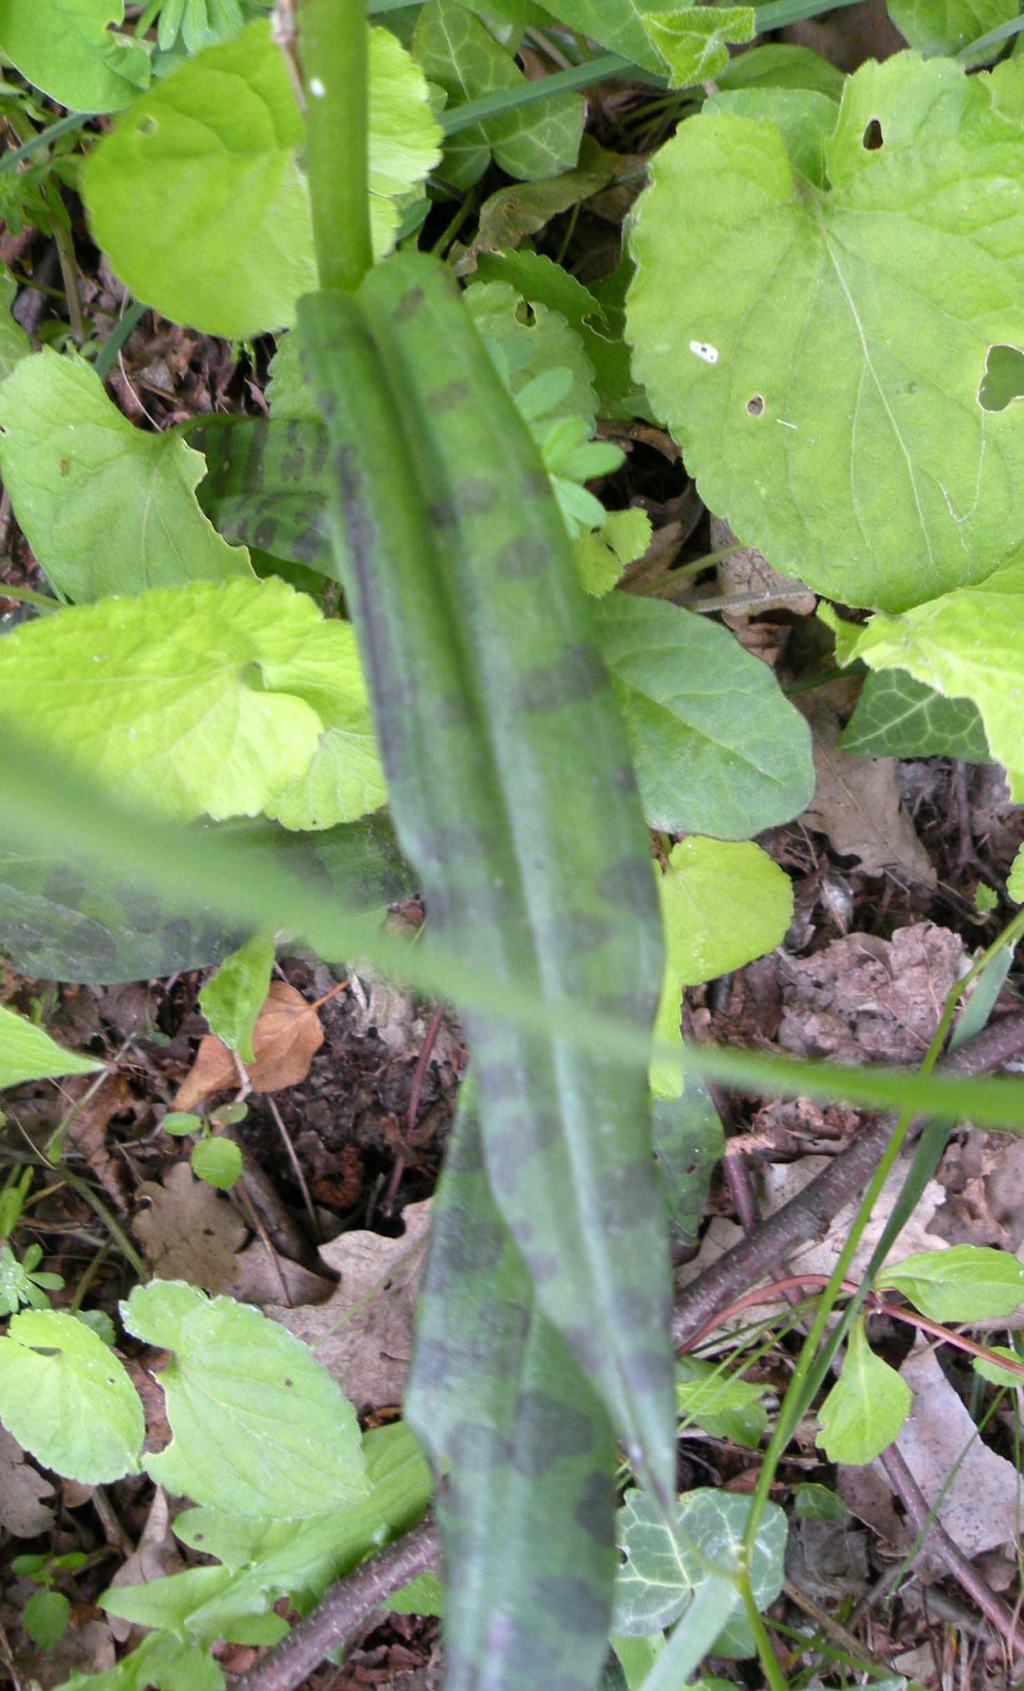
column 316, row 88
column 703, row 350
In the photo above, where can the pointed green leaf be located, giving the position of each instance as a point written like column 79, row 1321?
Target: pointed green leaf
column 896, row 716
column 963, row 1283
column 718, row 749
column 968, row 644
column 197, row 195
column 617, row 25
column 65, row 48
column 28, row 1053
column 459, row 54
column 233, row 997
column 106, row 508
column 724, row 1405
column 232, row 1387
column 215, row 698
column 66, row 1398
column 852, row 443
column 866, row 1407
column 528, row 1503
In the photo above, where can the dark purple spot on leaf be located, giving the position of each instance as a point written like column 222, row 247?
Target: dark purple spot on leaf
column 443, row 399
column 408, row 305
column 581, row 1608
column 522, row 559
column 579, row 674
column 549, row 1432
column 595, row 1512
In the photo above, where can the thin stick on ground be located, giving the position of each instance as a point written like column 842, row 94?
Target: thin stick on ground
column 346, row 1610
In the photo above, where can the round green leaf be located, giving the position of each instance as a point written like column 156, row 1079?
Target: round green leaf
column 211, row 698
column 217, row 1161
column 197, row 197
column 717, row 748
column 259, row 1426
column 66, row 1398
column 28, row 1053
column 823, row 364
column 65, row 48
column 723, row 905
column 45, row 1617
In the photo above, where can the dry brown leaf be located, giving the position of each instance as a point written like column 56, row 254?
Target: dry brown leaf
column 363, row 1335
column 155, row 1556
column 189, row 1231
column 748, row 571
column 22, row 1512
column 257, row 1280
column 88, row 1130
column 782, row 1181
column 863, row 999
column 285, row 1040
column 857, row 803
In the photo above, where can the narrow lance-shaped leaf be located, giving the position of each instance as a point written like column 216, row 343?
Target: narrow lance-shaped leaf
column 527, row 1502
column 512, row 795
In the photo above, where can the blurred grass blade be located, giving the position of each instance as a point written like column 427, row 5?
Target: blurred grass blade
column 526, row 1504
column 692, row 1637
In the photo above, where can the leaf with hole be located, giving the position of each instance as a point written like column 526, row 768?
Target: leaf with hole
column 871, row 465
column 106, row 507
column 67, row 1399
column 968, row 644
column 718, row 749
column 197, row 195
column 224, row 699
column 232, row 1388
column 867, row 1406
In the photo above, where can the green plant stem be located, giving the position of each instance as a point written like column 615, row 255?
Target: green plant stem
column 29, row 596
column 334, row 42
column 117, row 337
column 601, row 69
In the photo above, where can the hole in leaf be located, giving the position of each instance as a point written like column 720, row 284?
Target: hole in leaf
column 872, row 137
column 755, row 406
column 1003, row 379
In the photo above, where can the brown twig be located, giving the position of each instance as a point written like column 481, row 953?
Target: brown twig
column 811, row 1213
column 964, row 1572
column 345, row 1611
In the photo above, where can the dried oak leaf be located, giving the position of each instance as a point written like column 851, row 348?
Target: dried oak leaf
column 22, row 1511
column 189, row 1232
column 363, row 1334
column 857, row 803
column 285, row 1040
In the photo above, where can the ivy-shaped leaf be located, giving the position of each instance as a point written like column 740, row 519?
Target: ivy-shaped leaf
column 105, row 507
column 666, row 1565
column 851, row 441
column 259, row 1426
column 968, row 644
column 197, row 195
column 222, row 700
column 459, row 54
column 66, row 1398
column 896, row 716
column 28, row 1053
column 65, row 48
column 866, row 1407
